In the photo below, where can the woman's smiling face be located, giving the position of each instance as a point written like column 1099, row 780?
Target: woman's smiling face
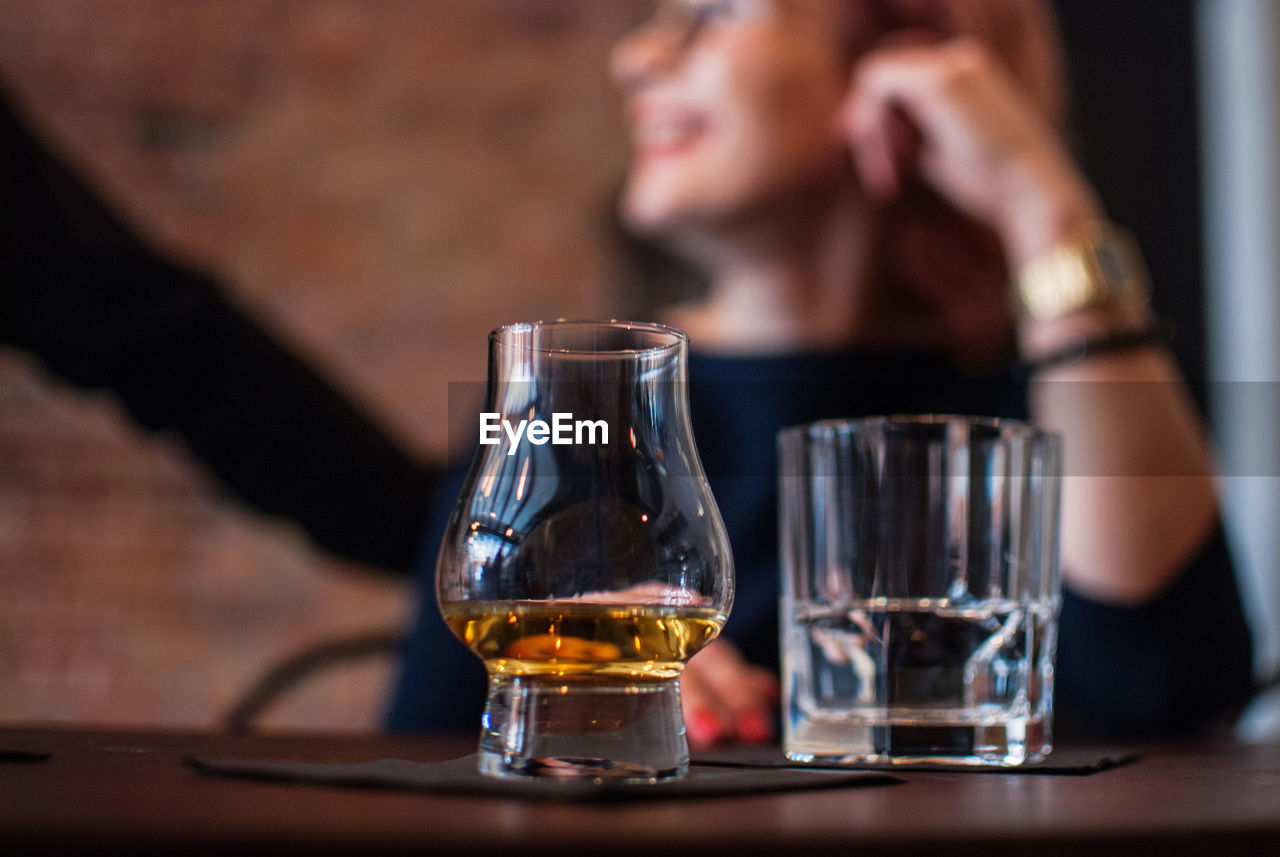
column 731, row 105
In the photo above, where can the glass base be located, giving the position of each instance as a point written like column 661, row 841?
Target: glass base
column 1002, row 744
column 583, row 727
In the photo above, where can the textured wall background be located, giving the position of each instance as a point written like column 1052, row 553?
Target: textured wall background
column 382, row 181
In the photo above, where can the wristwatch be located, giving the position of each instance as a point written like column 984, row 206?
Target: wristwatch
column 1099, row 266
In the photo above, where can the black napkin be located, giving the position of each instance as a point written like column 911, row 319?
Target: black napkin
column 1069, row 761
column 7, row 755
column 460, row 776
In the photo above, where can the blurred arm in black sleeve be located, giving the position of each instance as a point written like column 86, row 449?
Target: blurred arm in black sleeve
column 86, row 295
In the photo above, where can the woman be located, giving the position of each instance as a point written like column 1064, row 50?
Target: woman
column 854, row 180
column 813, row 159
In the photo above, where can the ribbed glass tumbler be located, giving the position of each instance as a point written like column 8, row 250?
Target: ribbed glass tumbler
column 920, row 590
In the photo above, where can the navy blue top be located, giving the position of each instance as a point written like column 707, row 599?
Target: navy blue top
column 1121, row 670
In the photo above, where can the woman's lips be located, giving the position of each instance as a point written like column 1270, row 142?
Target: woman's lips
column 665, row 131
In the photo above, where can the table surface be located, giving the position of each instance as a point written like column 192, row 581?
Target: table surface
column 130, row 791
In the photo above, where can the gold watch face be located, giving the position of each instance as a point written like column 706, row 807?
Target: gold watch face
column 1102, row 267
column 1112, row 265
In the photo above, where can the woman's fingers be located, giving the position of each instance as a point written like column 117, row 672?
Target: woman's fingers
column 727, row 699
column 707, row 722
column 867, row 124
column 982, row 143
column 944, row 92
column 747, row 692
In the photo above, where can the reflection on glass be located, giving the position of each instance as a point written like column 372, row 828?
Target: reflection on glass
column 585, row 561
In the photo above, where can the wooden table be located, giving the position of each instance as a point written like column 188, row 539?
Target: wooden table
column 129, row 792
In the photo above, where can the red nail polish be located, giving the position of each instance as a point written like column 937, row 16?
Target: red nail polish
column 754, row 728
column 704, row 727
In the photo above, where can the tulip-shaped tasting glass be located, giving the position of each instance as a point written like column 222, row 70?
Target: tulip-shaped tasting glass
column 585, row 560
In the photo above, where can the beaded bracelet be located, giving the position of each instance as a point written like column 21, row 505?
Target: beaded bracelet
column 1158, row 332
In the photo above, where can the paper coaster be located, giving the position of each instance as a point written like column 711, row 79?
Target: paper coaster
column 23, row 755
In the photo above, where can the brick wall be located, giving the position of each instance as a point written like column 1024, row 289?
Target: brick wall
column 382, row 181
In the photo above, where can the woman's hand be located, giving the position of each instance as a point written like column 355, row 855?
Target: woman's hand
column 950, row 115
column 727, row 700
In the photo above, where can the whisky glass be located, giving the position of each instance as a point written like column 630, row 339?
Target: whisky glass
column 585, row 561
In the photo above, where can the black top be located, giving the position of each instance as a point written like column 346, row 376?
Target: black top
column 1136, row 671
column 102, row 309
